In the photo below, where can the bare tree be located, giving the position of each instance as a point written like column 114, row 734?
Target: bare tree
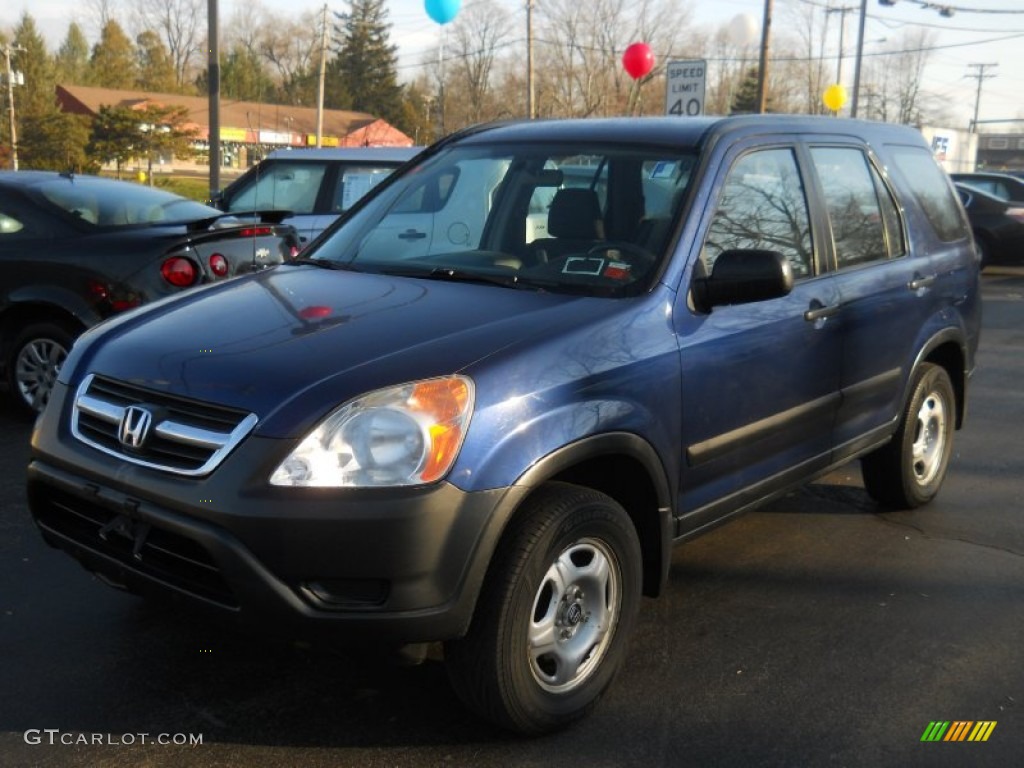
column 293, row 49
column 476, row 39
column 582, row 47
column 893, row 86
column 809, row 30
column 181, row 24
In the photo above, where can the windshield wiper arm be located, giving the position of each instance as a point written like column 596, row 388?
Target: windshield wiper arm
column 322, row 263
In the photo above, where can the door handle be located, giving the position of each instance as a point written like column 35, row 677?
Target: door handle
column 412, row 234
column 921, row 282
column 820, row 312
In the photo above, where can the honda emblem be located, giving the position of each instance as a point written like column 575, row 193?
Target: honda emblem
column 134, row 427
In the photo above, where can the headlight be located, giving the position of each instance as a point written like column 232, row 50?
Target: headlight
column 404, row 435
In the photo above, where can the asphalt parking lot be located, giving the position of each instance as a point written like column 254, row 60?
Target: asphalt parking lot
column 817, row 631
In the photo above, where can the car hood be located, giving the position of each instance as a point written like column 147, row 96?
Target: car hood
column 291, row 343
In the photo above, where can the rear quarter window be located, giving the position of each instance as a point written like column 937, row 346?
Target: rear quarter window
column 932, row 191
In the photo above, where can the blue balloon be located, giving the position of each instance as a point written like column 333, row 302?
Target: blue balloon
column 443, row 11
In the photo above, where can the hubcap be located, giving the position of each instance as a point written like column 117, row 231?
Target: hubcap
column 575, row 612
column 929, row 438
column 36, row 370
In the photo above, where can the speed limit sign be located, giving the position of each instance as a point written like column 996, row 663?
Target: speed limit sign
column 684, row 88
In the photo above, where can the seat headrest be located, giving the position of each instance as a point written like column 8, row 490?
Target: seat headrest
column 576, row 214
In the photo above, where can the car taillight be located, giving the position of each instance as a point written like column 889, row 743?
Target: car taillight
column 218, row 265
column 255, row 231
column 179, row 272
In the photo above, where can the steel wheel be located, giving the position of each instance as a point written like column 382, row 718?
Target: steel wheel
column 929, row 446
column 909, row 470
column 555, row 613
column 574, row 610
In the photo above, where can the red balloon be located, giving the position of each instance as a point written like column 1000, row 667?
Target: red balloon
column 638, row 60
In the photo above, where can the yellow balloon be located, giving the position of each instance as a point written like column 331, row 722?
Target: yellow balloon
column 834, row 97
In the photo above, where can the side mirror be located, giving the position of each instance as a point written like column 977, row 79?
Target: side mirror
column 742, row 277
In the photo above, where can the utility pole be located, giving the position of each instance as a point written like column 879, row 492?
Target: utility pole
column 842, row 30
column 320, row 89
column 8, row 50
column 980, row 76
column 855, row 100
column 531, row 109
column 762, row 72
column 213, row 77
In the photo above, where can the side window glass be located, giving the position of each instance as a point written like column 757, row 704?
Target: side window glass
column 762, row 206
column 890, row 218
column 285, row 186
column 932, row 190
column 430, row 195
column 854, row 211
column 353, row 183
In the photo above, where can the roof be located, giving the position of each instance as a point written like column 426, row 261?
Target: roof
column 247, row 116
column 686, row 131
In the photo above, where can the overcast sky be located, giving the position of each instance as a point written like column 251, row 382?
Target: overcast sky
column 982, row 36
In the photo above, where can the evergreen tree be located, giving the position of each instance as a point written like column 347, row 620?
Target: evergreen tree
column 156, row 70
column 113, row 59
column 243, row 77
column 72, row 60
column 38, row 95
column 367, row 63
column 745, row 101
column 55, row 142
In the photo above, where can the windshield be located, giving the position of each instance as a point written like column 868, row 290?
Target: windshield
column 594, row 220
column 107, row 203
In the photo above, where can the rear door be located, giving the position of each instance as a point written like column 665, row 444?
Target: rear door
column 888, row 284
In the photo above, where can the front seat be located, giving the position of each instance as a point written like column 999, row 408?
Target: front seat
column 574, row 225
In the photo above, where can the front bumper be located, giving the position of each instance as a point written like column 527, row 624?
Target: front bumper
column 400, row 564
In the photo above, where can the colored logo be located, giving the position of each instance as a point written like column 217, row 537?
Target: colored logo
column 958, row 730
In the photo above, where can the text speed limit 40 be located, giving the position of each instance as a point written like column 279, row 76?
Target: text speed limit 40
column 684, row 88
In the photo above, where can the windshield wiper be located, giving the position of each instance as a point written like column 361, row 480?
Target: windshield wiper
column 322, row 263
column 451, row 274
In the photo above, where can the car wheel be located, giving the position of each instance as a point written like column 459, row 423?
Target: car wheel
column 908, row 472
column 36, row 357
column 555, row 614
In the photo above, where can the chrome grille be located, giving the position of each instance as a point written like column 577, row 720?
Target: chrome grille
column 187, row 437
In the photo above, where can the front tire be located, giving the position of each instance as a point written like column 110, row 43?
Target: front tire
column 908, row 472
column 36, row 356
column 555, row 614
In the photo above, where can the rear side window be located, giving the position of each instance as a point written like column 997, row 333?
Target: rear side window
column 864, row 218
column 932, row 191
column 354, row 182
column 285, row 186
column 762, row 206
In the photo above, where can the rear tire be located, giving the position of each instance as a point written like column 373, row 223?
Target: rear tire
column 554, row 616
column 908, row 471
column 36, row 356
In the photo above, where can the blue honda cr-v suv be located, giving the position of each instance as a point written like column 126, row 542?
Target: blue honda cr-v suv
column 483, row 408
